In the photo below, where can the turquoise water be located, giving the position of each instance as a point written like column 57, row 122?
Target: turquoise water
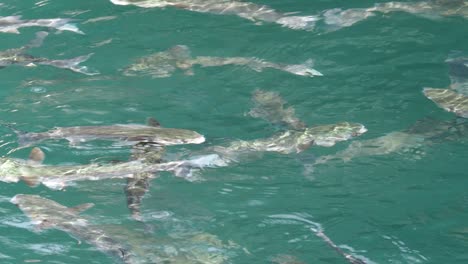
column 397, row 208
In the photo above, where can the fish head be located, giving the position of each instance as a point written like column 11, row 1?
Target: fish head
column 46, row 213
column 42, row 212
column 160, row 64
column 328, row 135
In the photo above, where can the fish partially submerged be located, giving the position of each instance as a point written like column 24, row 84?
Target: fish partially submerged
column 129, row 134
column 57, row 177
column 432, row 9
column 45, row 213
column 11, row 24
column 174, row 247
column 295, row 139
column 449, row 100
column 455, row 97
column 138, row 185
column 19, row 56
column 411, row 141
column 165, row 63
column 246, row 10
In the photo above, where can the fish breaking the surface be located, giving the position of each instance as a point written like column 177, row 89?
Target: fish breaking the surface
column 45, row 213
column 247, row 10
column 138, row 185
column 129, row 134
column 57, row 177
column 11, row 24
column 19, row 56
column 449, row 100
column 432, row 9
column 412, row 141
column 455, row 98
column 128, row 246
column 165, row 63
column 297, row 138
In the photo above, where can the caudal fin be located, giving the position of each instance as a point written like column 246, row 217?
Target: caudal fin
column 72, row 64
column 23, row 138
column 298, row 22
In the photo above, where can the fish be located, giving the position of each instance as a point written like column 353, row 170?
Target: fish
column 270, row 107
column 11, row 24
column 164, row 64
column 123, row 133
column 57, row 177
column 413, row 140
column 296, row 138
column 449, row 100
column 48, row 214
column 337, row 18
column 138, row 185
column 174, row 247
column 18, row 56
column 246, row 10
column 384, row 145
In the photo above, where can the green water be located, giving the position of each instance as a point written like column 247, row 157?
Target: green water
column 394, row 208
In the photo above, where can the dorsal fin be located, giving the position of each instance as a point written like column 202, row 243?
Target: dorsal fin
column 151, row 121
column 36, row 155
column 80, row 208
column 31, row 181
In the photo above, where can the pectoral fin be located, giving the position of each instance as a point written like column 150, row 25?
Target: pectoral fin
column 36, row 155
column 80, row 208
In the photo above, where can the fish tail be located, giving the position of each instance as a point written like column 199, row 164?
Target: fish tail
column 135, row 190
column 25, row 139
column 72, row 64
column 299, row 22
column 62, row 24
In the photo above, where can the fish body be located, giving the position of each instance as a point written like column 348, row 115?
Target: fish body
column 246, row 10
column 295, row 139
column 131, row 133
column 290, row 141
column 138, row 185
column 270, row 107
column 57, row 177
column 19, row 56
column 449, row 100
column 165, row 63
column 390, row 143
column 434, row 9
column 45, row 213
column 11, row 24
